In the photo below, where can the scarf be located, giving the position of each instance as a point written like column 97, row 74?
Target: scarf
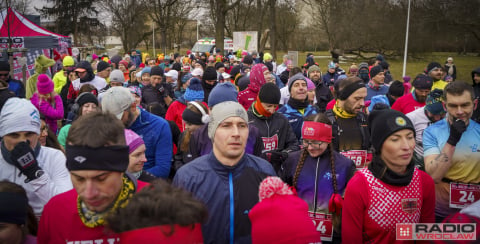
column 258, row 109
column 374, row 86
column 340, row 112
column 450, row 69
column 378, row 167
column 7, row 156
column 297, row 104
column 93, row 219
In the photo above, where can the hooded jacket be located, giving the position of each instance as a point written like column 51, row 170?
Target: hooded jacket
column 41, row 62
column 90, row 78
column 257, row 80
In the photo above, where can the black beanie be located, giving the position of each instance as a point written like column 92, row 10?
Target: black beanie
column 423, row 82
column 269, row 93
column 433, row 65
column 102, row 65
column 248, row 59
column 375, row 70
column 219, row 65
column 382, row 123
column 210, row 73
column 396, row 89
column 269, row 66
column 4, row 66
column 177, row 67
column 86, row 97
column 156, row 70
column 384, row 64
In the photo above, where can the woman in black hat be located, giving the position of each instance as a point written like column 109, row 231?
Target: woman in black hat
column 391, row 189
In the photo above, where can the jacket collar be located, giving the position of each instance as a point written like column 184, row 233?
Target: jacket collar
column 223, row 170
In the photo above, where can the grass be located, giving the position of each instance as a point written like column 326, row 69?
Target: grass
column 465, row 63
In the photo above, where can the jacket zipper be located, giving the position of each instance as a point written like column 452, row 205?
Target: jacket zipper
column 232, row 208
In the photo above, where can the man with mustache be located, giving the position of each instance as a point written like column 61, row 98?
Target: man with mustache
column 323, row 94
column 416, row 99
column 350, row 133
column 452, row 153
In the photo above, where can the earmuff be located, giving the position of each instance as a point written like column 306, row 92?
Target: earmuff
column 76, row 106
column 205, row 116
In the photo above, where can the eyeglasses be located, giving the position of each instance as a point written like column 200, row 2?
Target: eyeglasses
column 4, row 74
column 315, row 145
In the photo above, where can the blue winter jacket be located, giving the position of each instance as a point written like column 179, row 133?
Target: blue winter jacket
column 216, row 185
column 156, row 133
column 295, row 118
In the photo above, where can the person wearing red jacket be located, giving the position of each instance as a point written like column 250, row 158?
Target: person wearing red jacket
column 391, row 189
column 97, row 159
column 257, row 80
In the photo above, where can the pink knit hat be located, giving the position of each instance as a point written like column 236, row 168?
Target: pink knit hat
column 133, row 140
column 44, row 84
column 310, row 84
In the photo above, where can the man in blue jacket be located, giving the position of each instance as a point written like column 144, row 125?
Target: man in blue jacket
column 154, row 130
column 226, row 179
column 15, row 86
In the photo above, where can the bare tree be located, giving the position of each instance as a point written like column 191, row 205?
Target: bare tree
column 126, row 21
column 22, row 6
column 219, row 10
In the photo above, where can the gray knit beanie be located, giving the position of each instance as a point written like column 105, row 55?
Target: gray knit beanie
column 223, row 111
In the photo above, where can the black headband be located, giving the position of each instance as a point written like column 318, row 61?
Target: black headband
column 13, row 208
column 351, row 88
column 192, row 117
column 109, row 158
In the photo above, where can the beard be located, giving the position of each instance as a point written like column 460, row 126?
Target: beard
column 130, row 119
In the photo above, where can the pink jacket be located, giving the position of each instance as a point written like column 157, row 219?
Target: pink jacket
column 51, row 113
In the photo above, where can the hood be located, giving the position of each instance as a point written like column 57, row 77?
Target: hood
column 257, row 79
column 475, row 71
column 42, row 62
column 88, row 67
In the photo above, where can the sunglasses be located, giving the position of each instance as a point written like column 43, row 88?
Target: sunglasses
column 7, row 74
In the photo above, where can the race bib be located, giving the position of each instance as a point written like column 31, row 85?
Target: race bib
column 323, row 224
column 270, row 143
column 359, row 157
column 462, row 195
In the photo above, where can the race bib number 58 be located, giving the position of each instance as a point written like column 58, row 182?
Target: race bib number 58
column 359, row 157
column 462, row 195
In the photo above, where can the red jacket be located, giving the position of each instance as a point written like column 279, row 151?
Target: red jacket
column 60, row 222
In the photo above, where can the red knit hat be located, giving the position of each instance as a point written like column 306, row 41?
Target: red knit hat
column 281, row 216
column 44, row 84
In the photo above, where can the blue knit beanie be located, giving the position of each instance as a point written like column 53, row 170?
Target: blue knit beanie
column 194, row 91
column 222, row 92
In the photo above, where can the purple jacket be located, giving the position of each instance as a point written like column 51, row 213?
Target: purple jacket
column 200, row 143
column 51, row 113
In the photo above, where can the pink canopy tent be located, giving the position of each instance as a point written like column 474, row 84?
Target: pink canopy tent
column 26, row 34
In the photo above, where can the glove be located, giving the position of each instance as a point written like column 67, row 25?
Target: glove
column 277, row 158
column 24, row 159
column 456, row 130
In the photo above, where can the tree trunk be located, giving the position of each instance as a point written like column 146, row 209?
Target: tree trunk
column 164, row 39
column 259, row 25
column 220, row 25
column 273, row 30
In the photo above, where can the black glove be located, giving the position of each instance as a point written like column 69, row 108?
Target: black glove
column 23, row 158
column 456, row 130
column 277, row 158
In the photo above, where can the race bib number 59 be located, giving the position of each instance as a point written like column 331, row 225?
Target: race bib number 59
column 270, row 143
column 462, row 195
column 323, row 224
